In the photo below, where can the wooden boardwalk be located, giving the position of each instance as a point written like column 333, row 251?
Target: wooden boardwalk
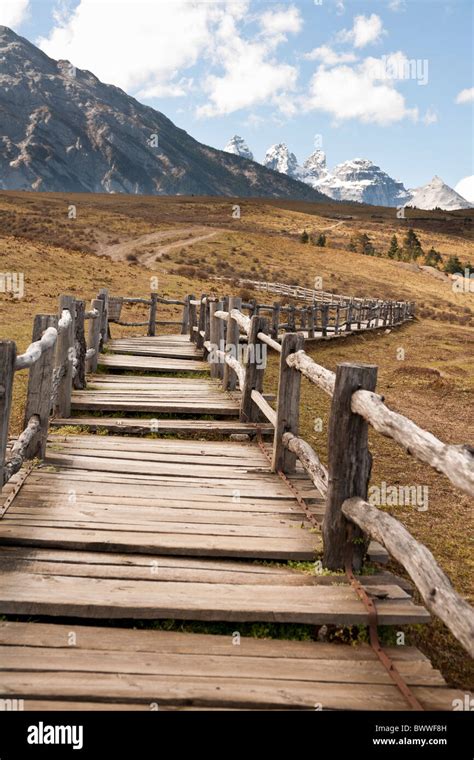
column 121, row 527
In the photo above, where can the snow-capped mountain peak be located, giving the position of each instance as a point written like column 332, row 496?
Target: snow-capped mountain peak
column 436, row 194
column 239, row 147
column 315, row 164
column 279, row 158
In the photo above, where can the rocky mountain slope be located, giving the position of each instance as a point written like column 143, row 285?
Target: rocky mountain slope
column 436, row 194
column 63, row 130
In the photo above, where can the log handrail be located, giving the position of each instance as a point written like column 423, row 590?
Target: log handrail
column 36, row 349
column 434, row 586
column 456, row 462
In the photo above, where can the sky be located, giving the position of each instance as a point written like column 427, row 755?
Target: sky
column 387, row 80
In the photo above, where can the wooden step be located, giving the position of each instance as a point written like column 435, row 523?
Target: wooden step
column 78, row 589
column 117, row 668
column 151, row 363
column 165, row 426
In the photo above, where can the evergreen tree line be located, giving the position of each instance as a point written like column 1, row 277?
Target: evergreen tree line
column 410, row 251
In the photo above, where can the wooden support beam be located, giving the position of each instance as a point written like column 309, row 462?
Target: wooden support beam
column 79, row 379
column 94, row 335
column 65, row 356
column 255, row 363
column 192, row 319
column 275, row 320
column 349, row 466
column 229, row 382
column 288, row 404
column 40, row 383
column 7, row 372
column 201, row 322
column 185, row 317
column 216, row 340
column 311, row 310
column 104, row 328
column 152, row 317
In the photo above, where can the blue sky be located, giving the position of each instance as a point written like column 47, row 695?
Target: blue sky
column 388, row 80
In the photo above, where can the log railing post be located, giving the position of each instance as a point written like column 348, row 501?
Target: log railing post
column 349, row 465
column 255, row 364
column 288, row 404
column 185, row 317
column 104, row 328
column 229, row 382
column 201, row 322
column 40, row 384
column 324, row 319
column 7, row 372
column 311, row 311
column 65, row 353
column 192, row 319
column 152, row 316
column 79, row 379
column 275, row 320
column 94, row 334
column 207, row 324
column 291, row 319
column 216, row 339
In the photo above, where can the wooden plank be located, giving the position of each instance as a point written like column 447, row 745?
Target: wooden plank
column 160, row 364
column 30, row 594
column 230, row 692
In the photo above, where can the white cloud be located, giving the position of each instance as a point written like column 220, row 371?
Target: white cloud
column 397, row 5
column 250, row 78
column 430, row 117
column 365, row 30
column 146, row 44
column 281, row 22
column 356, row 92
column 328, row 56
column 13, row 12
column 465, row 187
column 252, row 74
column 465, row 96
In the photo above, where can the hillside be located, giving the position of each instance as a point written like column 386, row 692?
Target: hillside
column 64, row 130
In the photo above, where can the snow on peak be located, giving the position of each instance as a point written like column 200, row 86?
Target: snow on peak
column 239, row 147
column 436, row 194
column 279, row 158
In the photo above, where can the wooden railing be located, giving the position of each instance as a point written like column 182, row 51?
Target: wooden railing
column 349, row 519
column 328, row 315
column 308, row 294
column 116, row 303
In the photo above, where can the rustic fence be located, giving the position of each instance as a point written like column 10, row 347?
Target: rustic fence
column 58, row 360
column 349, row 519
column 323, row 320
column 309, row 294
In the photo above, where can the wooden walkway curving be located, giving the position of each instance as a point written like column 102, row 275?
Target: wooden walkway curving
column 120, row 527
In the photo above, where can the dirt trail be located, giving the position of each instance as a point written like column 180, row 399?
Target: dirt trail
column 172, row 238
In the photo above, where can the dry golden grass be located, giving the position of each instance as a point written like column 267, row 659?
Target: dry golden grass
column 433, row 385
